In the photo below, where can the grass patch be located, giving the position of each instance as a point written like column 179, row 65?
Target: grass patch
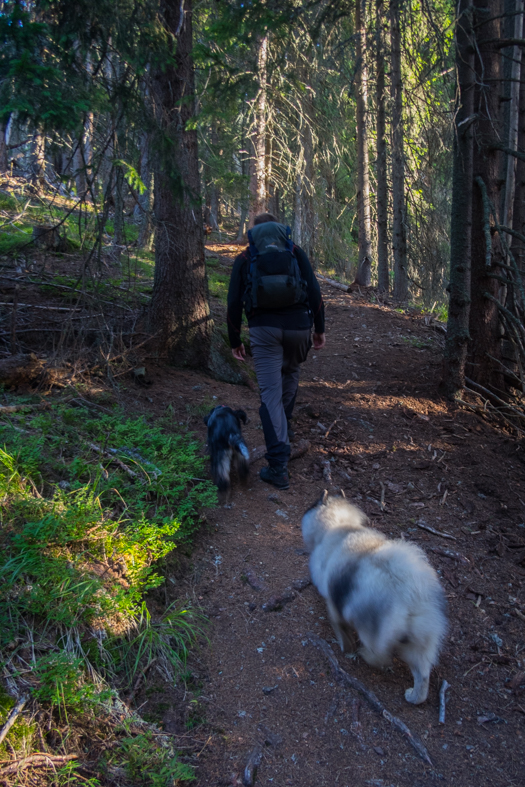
column 218, row 285
column 90, row 508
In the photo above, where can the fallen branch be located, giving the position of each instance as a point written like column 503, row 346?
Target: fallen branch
column 47, row 308
column 493, row 397
column 344, row 287
column 36, row 760
column 297, row 450
column 257, row 453
column 330, row 427
column 442, row 701
column 435, row 532
column 15, row 408
column 109, row 453
column 17, row 710
column 371, row 698
column 452, row 555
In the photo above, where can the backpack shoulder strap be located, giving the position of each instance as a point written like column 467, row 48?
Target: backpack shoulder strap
column 289, row 242
column 253, row 248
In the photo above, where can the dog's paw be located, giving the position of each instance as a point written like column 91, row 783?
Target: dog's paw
column 413, row 697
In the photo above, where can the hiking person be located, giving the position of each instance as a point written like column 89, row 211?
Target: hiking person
column 274, row 282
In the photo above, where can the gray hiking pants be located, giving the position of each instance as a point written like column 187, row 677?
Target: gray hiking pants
column 277, row 356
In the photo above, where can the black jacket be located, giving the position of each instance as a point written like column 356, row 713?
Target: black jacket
column 293, row 318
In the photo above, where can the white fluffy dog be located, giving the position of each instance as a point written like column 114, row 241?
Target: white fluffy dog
column 384, row 590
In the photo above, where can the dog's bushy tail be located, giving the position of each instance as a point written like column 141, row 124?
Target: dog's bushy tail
column 242, row 455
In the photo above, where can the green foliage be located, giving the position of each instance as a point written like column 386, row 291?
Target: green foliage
column 167, row 640
column 151, row 766
column 8, row 201
column 218, row 285
column 63, row 684
column 79, row 543
column 132, row 176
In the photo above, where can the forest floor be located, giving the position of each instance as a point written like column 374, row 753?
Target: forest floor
column 368, row 405
column 259, row 689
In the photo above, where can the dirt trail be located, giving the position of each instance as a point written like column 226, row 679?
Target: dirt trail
column 261, row 682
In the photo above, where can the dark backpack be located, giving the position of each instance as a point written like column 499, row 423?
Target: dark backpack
column 274, row 278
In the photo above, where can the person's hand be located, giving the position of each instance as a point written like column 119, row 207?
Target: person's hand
column 239, row 353
column 319, row 341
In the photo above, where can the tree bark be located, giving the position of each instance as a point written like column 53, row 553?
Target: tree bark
column 518, row 221
column 38, row 155
column 461, row 222
column 142, row 210
column 488, row 173
column 179, row 311
column 258, row 137
column 4, row 162
column 399, row 241
column 383, row 278
column 364, row 270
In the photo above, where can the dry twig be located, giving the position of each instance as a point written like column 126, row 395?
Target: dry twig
column 442, row 701
column 371, row 698
column 435, row 532
column 452, row 555
column 109, row 453
column 36, row 760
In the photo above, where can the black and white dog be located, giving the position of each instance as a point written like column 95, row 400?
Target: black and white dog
column 225, row 443
column 384, row 590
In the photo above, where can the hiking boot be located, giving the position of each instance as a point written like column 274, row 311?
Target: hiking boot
column 276, row 476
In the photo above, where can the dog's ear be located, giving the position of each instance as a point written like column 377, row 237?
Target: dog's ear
column 324, row 498
column 207, row 417
column 240, row 415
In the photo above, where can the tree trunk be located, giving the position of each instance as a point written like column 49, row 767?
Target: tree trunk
column 308, row 218
column 4, row 163
column 383, row 279
column 298, row 208
column 142, row 210
column 179, row 311
column 518, row 221
column 514, row 93
column 364, row 270
column 461, row 222
column 38, row 155
column 258, row 137
column 399, row 241
column 488, row 172
column 82, row 156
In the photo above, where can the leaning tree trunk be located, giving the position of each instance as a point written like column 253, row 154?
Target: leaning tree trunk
column 488, row 171
column 364, row 270
column 399, row 241
column 383, row 279
column 461, row 223
column 179, row 311
column 258, row 137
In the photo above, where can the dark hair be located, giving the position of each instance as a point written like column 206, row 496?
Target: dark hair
column 262, row 218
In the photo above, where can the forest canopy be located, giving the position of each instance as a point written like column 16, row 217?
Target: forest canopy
column 346, row 120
